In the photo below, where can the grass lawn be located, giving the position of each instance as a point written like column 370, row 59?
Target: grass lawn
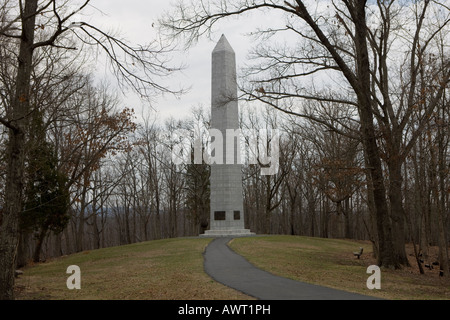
column 331, row 263
column 170, row 269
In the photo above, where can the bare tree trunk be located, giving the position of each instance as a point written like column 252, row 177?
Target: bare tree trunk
column 372, row 229
column 102, row 235
column 385, row 241
column 20, row 108
column 127, row 223
column 443, row 235
column 397, row 210
column 38, row 248
column 420, row 187
column 96, row 231
column 311, row 208
column 58, row 246
column 157, row 225
column 79, row 236
column 23, row 253
column 293, row 205
column 292, row 216
column 325, row 216
column 267, row 211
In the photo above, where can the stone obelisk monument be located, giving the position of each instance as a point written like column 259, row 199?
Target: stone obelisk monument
column 227, row 203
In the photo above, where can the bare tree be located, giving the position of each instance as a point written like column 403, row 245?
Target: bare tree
column 337, row 171
column 351, row 41
column 136, row 67
column 148, row 148
column 197, row 173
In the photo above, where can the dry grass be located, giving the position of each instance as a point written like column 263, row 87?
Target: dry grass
column 331, row 263
column 173, row 270
column 156, row 270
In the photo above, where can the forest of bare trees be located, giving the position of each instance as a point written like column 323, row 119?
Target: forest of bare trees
column 57, row 125
column 377, row 71
column 137, row 194
column 360, row 98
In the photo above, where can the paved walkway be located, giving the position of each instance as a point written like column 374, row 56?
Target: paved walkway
column 233, row 270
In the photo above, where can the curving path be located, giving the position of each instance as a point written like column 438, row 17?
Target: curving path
column 233, row 270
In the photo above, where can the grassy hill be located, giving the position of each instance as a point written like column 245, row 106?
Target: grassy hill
column 155, row 270
column 330, row 262
column 173, row 269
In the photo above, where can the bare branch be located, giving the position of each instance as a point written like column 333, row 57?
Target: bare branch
column 8, row 124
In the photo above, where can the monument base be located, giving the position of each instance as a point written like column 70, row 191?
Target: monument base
column 232, row 233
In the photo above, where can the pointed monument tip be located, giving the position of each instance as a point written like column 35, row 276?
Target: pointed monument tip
column 223, row 45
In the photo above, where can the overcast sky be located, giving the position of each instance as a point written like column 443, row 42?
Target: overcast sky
column 134, row 18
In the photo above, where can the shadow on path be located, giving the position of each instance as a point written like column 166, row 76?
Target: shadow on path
column 233, row 270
